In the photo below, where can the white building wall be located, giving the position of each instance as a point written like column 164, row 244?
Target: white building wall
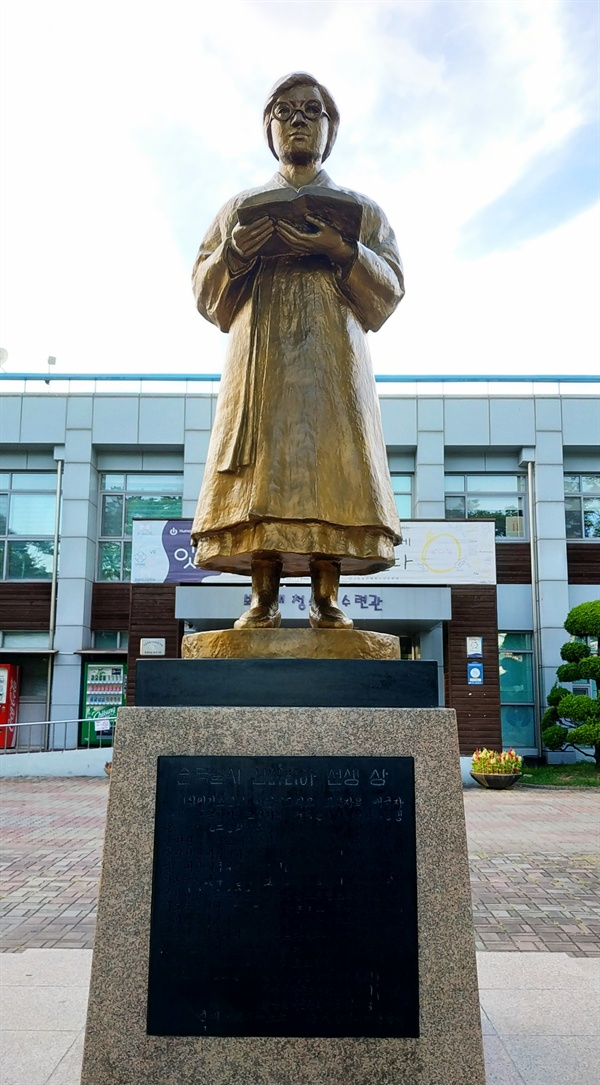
column 515, row 609
column 426, row 435
column 76, row 567
column 198, row 421
column 550, row 540
column 429, row 460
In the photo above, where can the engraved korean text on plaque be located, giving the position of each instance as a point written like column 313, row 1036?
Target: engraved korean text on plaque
column 284, row 898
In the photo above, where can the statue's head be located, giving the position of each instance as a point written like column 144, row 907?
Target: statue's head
column 300, row 119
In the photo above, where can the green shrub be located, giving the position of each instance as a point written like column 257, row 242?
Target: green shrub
column 550, row 717
column 584, row 620
column 578, row 708
column 586, row 735
column 590, row 668
column 556, row 694
column 568, row 672
column 574, row 650
column 554, row 737
column 573, row 719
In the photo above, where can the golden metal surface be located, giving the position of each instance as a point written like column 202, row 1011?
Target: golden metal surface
column 297, row 467
column 290, row 644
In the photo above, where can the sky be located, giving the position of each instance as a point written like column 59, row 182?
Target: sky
column 125, row 125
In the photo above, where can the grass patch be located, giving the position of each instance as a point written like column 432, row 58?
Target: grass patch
column 581, row 774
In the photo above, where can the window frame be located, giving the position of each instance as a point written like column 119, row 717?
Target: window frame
column 7, row 537
column 121, row 637
column 518, row 496
column 123, row 540
column 580, row 495
column 406, row 492
column 525, row 702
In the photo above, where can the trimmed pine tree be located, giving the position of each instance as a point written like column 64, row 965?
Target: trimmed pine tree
column 574, row 719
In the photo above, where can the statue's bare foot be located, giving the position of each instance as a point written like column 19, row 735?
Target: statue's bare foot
column 259, row 617
column 327, row 615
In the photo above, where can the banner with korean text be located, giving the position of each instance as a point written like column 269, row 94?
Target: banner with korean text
column 431, row 552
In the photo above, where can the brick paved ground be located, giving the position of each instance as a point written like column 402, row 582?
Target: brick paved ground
column 51, row 834
column 534, row 866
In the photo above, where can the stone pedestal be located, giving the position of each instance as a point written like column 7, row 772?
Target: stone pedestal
column 448, row 1049
column 290, row 644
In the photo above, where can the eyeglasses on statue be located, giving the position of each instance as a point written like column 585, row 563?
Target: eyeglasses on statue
column 311, row 110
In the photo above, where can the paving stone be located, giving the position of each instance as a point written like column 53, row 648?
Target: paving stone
column 533, row 856
column 547, row 888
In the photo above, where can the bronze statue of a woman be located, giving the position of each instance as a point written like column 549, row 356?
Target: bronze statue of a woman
column 296, row 479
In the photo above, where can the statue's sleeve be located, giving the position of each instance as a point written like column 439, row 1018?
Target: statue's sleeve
column 374, row 283
column 221, row 280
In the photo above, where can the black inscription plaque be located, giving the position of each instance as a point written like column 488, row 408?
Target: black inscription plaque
column 284, row 898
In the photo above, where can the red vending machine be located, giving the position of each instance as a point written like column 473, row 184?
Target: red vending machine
column 10, row 680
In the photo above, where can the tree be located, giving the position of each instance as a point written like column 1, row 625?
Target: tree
column 573, row 719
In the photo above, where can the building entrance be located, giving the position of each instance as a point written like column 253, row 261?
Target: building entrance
column 409, row 647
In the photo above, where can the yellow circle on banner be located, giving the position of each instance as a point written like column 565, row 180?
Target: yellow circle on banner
column 428, row 556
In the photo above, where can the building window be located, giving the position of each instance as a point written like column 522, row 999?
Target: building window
column 122, row 497
column 582, row 506
column 592, row 643
column 27, row 520
column 109, row 639
column 402, row 487
column 23, row 639
column 516, row 689
column 489, row 497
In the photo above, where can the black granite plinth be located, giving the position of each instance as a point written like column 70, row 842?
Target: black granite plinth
column 286, row 683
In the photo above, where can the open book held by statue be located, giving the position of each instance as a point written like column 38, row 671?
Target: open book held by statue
column 297, row 272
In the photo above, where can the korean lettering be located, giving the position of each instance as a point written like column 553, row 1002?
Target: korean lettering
column 369, row 602
column 377, row 779
column 347, row 778
column 181, row 554
column 389, row 808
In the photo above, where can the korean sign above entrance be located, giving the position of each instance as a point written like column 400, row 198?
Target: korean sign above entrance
column 432, row 552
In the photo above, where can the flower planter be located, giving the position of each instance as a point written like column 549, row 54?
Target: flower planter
column 497, row 781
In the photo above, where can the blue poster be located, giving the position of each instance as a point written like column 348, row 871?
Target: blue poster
column 475, row 673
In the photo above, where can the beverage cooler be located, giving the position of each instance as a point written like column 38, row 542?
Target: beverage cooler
column 10, row 680
column 104, row 687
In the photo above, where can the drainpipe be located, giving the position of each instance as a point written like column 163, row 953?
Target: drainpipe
column 53, row 591
column 535, row 606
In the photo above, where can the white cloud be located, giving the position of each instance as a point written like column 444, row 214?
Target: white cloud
column 536, row 313
column 125, row 125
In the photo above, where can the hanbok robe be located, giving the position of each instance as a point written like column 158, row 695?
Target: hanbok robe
column 297, row 464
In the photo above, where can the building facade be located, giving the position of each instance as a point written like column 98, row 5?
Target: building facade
column 77, row 467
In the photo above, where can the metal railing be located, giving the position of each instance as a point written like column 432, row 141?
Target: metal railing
column 51, row 736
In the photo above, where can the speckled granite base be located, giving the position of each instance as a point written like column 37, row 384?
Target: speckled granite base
column 449, row 1050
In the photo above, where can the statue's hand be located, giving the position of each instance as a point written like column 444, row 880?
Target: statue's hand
column 248, row 240
column 325, row 241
